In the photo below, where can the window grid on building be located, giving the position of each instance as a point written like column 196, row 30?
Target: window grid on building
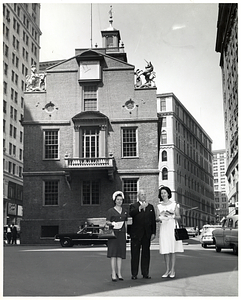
column 51, row 140
column 90, row 143
column 130, row 190
column 163, row 137
column 91, row 191
column 90, row 98
column 164, row 174
column 129, row 139
column 51, row 192
column 163, row 105
column 164, row 155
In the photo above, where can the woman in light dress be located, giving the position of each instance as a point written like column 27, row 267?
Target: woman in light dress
column 168, row 216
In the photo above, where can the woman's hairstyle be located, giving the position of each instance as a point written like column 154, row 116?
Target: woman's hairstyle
column 167, row 190
column 116, row 194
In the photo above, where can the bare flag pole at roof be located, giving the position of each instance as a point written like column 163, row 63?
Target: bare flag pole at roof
column 91, row 46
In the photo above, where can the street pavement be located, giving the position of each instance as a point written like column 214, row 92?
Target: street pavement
column 85, row 271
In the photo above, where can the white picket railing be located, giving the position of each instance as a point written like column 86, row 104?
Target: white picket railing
column 88, row 162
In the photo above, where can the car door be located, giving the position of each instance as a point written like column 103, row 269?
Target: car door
column 220, row 233
column 231, row 232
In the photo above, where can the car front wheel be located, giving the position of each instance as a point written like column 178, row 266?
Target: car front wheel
column 66, row 242
column 235, row 250
column 218, row 249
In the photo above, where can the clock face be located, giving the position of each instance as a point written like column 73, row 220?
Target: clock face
column 89, row 70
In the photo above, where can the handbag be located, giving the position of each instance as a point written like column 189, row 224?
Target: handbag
column 181, row 234
column 106, row 233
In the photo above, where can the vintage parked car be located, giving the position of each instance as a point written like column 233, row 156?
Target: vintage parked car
column 227, row 235
column 86, row 236
column 191, row 231
column 206, row 237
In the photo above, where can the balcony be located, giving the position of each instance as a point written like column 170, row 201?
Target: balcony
column 97, row 163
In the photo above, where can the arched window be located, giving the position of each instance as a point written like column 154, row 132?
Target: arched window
column 164, row 155
column 164, row 174
column 164, row 137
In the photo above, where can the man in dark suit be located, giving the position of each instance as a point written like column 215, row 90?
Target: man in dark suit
column 143, row 231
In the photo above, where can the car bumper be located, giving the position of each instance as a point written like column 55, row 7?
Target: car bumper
column 207, row 242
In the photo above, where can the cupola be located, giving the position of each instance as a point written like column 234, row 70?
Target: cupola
column 111, row 41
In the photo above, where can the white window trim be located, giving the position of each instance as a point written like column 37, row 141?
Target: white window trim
column 51, row 129
column 43, row 198
column 137, row 142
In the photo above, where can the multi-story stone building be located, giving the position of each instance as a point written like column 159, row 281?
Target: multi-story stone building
column 227, row 45
column 185, row 161
column 220, row 184
column 89, row 130
column 21, row 36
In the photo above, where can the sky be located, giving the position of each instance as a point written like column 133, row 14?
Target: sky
column 178, row 38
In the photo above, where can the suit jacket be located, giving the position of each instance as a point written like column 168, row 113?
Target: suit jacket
column 142, row 221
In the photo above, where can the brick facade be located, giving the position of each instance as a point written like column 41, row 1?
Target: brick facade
column 67, row 116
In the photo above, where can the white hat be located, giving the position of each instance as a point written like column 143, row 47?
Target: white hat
column 117, row 193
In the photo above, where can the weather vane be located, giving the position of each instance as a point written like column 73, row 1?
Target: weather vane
column 110, row 13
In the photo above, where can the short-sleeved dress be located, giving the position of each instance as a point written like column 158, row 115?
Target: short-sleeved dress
column 117, row 247
column 167, row 241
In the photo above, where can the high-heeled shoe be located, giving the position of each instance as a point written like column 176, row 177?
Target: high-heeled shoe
column 172, row 275
column 166, row 275
column 113, row 279
column 120, row 278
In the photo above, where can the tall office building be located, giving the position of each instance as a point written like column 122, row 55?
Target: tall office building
column 220, row 184
column 227, row 45
column 185, row 161
column 21, row 35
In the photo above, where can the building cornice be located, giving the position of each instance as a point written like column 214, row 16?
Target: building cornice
column 139, row 171
column 54, row 122
column 232, row 164
column 45, row 173
column 144, row 120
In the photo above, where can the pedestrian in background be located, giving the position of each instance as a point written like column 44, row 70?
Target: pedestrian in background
column 14, row 234
column 143, row 231
column 9, row 234
column 116, row 218
column 169, row 216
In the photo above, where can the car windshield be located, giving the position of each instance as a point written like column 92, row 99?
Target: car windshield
column 89, row 230
column 208, row 230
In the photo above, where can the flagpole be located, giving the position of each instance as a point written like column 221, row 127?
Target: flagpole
column 91, row 26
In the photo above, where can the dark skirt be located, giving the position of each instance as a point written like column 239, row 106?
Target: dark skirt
column 117, row 247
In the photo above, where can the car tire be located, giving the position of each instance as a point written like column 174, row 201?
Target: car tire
column 235, row 250
column 204, row 246
column 218, row 249
column 66, row 242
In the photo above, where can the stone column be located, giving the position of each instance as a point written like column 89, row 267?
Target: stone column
column 102, row 141
column 77, row 149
